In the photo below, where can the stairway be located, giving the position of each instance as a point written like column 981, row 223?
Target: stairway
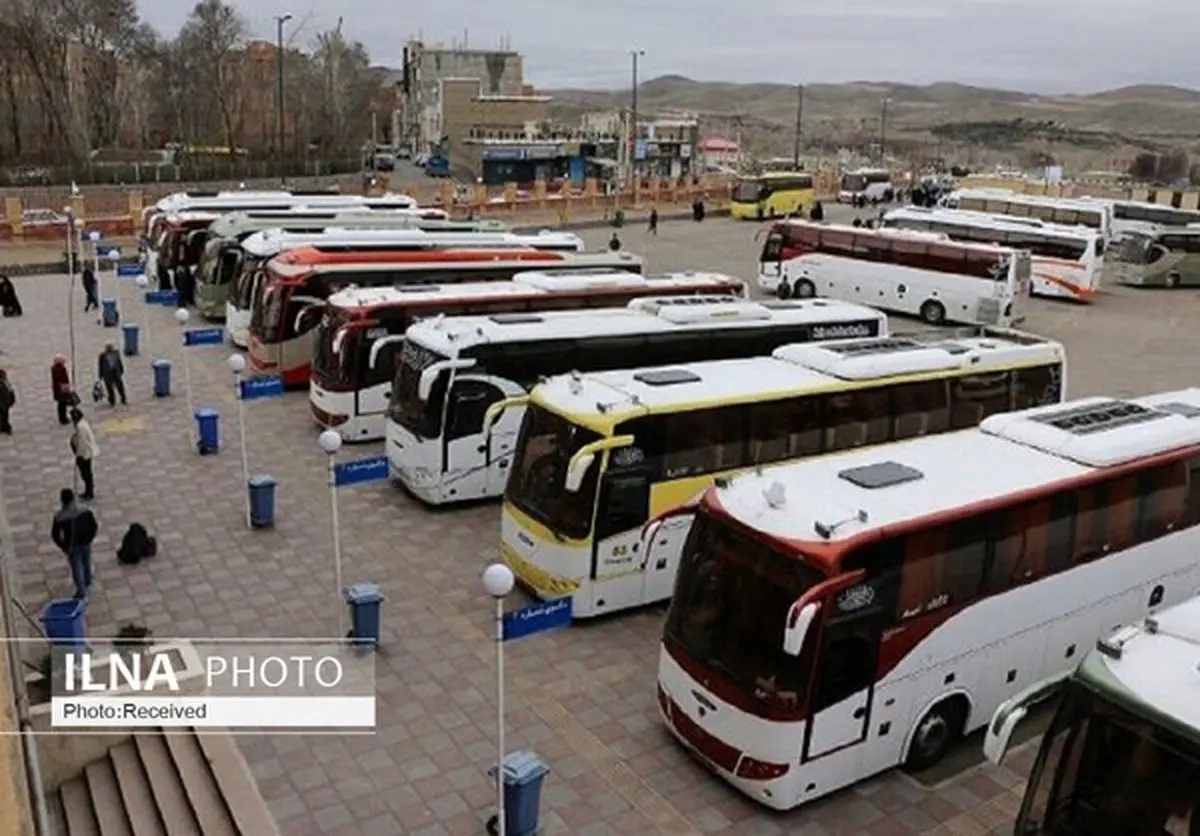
column 179, row 784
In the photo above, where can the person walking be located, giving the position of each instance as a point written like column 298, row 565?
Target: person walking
column 92, row 301
column 60, row 383
column 10, row 305
column 73, row 530
column 817, row 213
column 652, row 226
column 614, row 243
column 111, row 372
column 8, row 399
column 83, row 445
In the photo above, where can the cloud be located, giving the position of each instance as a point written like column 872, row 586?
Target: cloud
column 1036, row 45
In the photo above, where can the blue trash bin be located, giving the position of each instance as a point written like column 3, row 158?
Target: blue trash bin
column 162, row 378
column 63, row 621
column 262, row 501
column 130, row 333
column 523, row 774
column 109, row 313
column 364, row 600
column 208, row 431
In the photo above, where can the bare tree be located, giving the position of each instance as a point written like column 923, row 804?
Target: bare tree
column 210, row 41
column 346, row 90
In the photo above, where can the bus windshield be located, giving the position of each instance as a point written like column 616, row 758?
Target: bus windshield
column 854, row 182
column 267, row 319
column 422, row 418
column 748, row 191
column 539, row 470
column 249, row 274
column 336, row 354
column 1104, row 772
column 731, row 602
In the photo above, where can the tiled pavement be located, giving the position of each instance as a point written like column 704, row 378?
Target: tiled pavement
column 582, row 698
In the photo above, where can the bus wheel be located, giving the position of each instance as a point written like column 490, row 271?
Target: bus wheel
column 1172, row 280
column 933, row 312
column 783, row 290
column 937, row 732
column 805, row 289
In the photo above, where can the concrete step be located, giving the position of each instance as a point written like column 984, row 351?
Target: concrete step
column 78, row 815
column 136, row 794
column 106, row 799
column 204, row 795
column 170, row 800
column 237, row 786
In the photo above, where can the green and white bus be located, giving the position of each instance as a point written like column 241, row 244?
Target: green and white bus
column 1122, row 756
column 1165, row 258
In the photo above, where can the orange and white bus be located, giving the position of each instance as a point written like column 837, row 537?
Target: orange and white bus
column 298, row 282
column 839, row 616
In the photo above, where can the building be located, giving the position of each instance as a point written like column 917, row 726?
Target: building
column 664, row 146
column 717, row 151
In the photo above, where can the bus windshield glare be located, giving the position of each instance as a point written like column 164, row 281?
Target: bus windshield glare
column 1104, row 772
column 539, row 471
column 731, row 603
column 422, row 418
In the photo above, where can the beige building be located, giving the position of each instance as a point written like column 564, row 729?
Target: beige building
column 468, row 118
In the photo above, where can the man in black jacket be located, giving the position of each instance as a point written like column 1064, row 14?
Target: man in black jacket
column 73, row 531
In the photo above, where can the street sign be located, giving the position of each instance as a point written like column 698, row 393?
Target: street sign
column 537, row 618
column 168, row 298
column 113, row 254
column 204, row 336
column 359, row 471
column 129, row 271
column 639, row 149
column 256, row 388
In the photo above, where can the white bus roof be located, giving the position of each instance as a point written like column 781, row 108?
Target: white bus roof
column 270, row 198
column 795, row 368
column 233, row 223
column 502, row 258
column 193, row 215
column 271, row 242
column 985, row 220
column 1155, row 665
column 907, row 234
column 650, row 315
column 1096, row 204
column 1008, row 454
column 867, row 171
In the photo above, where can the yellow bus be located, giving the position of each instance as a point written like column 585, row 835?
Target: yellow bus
column 600, row 455
column 772, row 195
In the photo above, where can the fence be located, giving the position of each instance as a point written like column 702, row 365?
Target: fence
column 201, row 170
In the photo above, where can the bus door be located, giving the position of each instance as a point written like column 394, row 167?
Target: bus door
column 499, row 446
column 846, row 666
column 622, row 510
column 466, row 470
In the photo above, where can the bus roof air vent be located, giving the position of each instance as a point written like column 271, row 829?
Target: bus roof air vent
column 882, row 345
column 666, row 377
column 1186, row 410
column 655, row 304
column 1099, row 417
column 881, row 475
column 871, row 358
column 733, row 311
column 515, row 318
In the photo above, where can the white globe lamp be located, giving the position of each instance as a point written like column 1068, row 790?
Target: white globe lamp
column 330, row 442
column 498, row 580
column 182, row 316
column 142, row 281
column 236, row 363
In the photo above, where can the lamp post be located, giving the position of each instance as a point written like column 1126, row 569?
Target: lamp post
column 498, row 581
column 143, row 281
column 71, row 259
column 883, row 115
column 279, row 21
column 634, row 55
column 237, row 365
column 182, row 316
column 330, row 443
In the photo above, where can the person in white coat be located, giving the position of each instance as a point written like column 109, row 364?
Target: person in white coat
column 83, row 445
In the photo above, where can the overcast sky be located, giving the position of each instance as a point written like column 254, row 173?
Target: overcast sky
column 1036, row 45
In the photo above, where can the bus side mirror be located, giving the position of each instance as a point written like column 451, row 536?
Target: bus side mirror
column 497, row 409
column 577, row 470
column 378, row 345
column 999, row 733
column 429, row 375
column 798, row 623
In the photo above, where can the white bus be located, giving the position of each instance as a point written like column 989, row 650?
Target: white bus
column 1067, row 261
column 357, row 343
column 874, row 185
column 261, row 247
column 1122, row 755
column 270, row 200
column 467, row 453
column 1075, row 211
column 601, row 454
column 915, row 273
column 840, row 616
column 1139, row 216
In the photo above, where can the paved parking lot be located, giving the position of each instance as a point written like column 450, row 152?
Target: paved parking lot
column 582, row 698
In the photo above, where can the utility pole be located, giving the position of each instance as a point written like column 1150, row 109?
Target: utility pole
column 279, row 21
column 883, row 115
column 633, row 115
column 799, row 121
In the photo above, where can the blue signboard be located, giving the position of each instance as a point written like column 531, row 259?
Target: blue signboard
column 359, row 471
column 639, row 150
column 537, row 618
column 169, row 298
column 261, row 387
column 204, row 336
column 130, row 270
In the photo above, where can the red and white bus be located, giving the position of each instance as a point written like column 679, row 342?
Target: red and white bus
column 297, row 284
column 839, row 616
column 358, row 342
column 921, row 274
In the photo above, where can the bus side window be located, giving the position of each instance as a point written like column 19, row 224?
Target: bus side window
column 648, row 438
column 919, row 409
column 1164, row 500
column 982, row 265
column 1036, row 386
column 942, row 566
column 836, row 242
column 975, row 397
column 624, row 502
column 1091, row 523
column 1193, row 492
column 946, row 259
column 784, row 429
column 704, row 441
column 1004, row 568
column 469, row 400
column 1122, row 516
